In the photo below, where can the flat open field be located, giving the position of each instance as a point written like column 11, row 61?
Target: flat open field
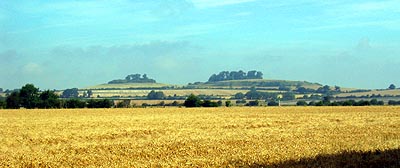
column 216, row 137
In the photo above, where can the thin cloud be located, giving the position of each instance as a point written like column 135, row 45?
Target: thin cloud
column 213, row 3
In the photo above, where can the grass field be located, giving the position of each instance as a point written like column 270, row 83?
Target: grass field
column 129, row 86
column 215, row 137
column 395, row 92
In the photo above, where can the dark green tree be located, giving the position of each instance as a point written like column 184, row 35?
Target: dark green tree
column 29, row 95
column 192, row 101
column 102, row 103
column 239, row 95
column 219, row 102
column 13, row 101
column 288, row 96
column 153, row 95
column 374, row 102
column 74, row 103
column 392, row 87
column 325, row 89
column 208, row 103
column 301, row 103
column 70, row 93
column 48, row 99
column 228, row 103
column 2, row 103
column 253, row 103
column 273, row 103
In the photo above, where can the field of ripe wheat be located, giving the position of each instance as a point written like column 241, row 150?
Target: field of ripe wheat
column 201, row 137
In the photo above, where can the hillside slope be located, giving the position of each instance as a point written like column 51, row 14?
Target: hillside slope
column 259, row 83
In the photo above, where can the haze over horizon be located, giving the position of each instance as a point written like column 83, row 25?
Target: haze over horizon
column 65, row 44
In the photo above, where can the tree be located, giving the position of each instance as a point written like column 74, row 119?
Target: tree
column 192, row 101
column 1, row 90
column 273, row 103
column 239, row 95
column 253, row 103
column 153, row 95
column 301, row 103
column 124, row 104
column 29, row 96
column 235, row 75
column 70, row 93
column 325, row 89
column 104, row 103
column 326, row 100
column 219, row 102
column 253, row 94
column 303, row 90
column 228, row 103
column 392, row 87
column 374, row 102
column 288, row 96
column 2, row 103
column 208, row 103
column 337, row 89
column 48, row 99
column 75, row 103
column 13, row 101
column 175, row 103
column 89, row 93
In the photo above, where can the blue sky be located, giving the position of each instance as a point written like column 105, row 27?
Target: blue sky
column 64, row 44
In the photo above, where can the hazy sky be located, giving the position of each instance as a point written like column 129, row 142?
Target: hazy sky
column 64, row 44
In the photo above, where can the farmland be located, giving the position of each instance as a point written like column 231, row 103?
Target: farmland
column 198, row 137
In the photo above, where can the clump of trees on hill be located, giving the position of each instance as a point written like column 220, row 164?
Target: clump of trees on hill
column 235, row 75
column 134, row 78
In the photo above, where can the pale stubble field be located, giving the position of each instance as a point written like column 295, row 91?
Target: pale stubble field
column 201, row 137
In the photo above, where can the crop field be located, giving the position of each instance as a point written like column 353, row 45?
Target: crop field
column 395, row 92
column 202, row 137
column 172, row 92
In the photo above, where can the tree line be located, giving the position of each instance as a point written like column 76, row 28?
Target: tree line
column 235, row 75
column 30, row 97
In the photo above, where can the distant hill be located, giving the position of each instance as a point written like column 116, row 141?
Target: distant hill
column 259, row 83
column 121, row 86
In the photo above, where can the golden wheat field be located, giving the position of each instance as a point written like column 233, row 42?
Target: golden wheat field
column 201, row 137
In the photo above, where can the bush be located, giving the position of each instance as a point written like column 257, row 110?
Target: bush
column 74, row 103
column 273, row 103
column 240, row 101
column 253, row 103
column 105, row 103
column 301, row 103
column 393, row 103
column 208, row 103
column 228, row 103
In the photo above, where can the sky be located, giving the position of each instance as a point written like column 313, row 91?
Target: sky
column 65, row 44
